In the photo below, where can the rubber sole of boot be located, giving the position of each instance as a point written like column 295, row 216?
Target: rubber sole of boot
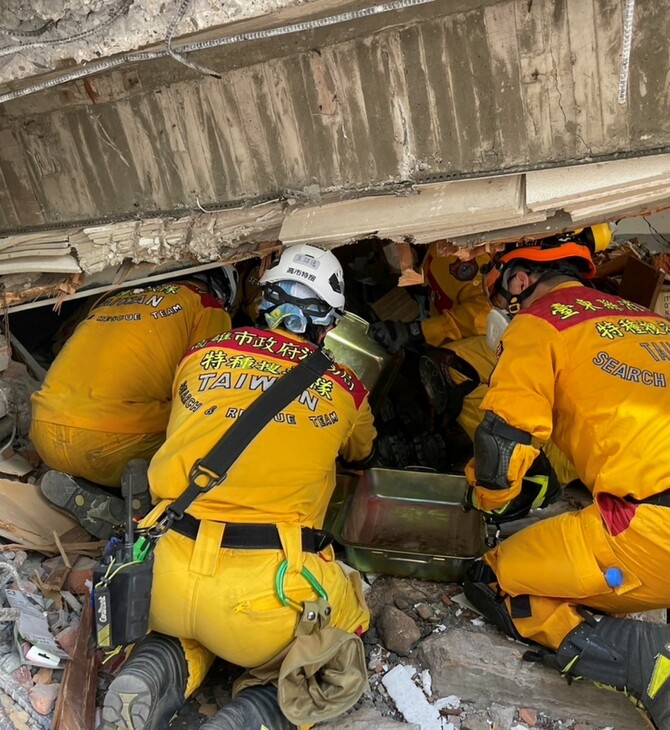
column 129, row 705
column 97, row 511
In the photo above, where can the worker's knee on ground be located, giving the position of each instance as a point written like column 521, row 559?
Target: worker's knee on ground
column 481, row 589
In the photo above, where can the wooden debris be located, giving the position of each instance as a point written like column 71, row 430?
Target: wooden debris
column 397, row 305
column 641, row 283
column 445, row 248
column 465, row 254
column 55, row 579
column 399, row 256
column 410, row 277
column 75, row 707
column 29, row 520
column 82, row 548
column 62, row 552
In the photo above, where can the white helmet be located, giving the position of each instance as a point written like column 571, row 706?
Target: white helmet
column 318, row 269
column 222, row 283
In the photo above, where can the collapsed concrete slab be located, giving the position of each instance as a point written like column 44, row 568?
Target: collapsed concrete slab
column 486, row 667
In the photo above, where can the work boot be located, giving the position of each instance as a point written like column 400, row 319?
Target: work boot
column 95, row 508
column 150, row 687
column 252, row 709
column 627, row 655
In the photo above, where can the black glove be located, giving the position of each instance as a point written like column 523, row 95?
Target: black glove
column 396, row 335
column 539, row 488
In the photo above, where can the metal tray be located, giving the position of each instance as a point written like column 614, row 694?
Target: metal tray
column 344, row 487
column 352, row 346
column 410, row 524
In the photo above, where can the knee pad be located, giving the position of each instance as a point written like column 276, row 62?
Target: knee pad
column 488, row 601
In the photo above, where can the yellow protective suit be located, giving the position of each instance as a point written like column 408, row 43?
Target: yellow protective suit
column 106, row 397
column 591, row 371
column 224, row 600
column 458, row 305
column 459, row 308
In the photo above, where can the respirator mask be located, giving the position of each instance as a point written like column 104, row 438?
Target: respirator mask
column 497, row 321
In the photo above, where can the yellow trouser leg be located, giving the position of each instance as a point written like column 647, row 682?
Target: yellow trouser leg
column 560, row 563
column 98, row 456
column 226, row 600
column 199, row 661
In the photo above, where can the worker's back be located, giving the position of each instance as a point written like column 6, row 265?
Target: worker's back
column 598, row 366
column 287, row 473
column 115, row 372
column 458, row 305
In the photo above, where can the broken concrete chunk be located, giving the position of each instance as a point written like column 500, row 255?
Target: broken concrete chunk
column 424, row 611
column 502, row 716
column 410, row 700
column 486, row 668
column 43, row 697
column 43, row 675
column 397, row 630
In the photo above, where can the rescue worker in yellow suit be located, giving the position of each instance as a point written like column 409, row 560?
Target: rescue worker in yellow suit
column 592, row 372
column 106, row 398
column 457, row 372
column 214, row 586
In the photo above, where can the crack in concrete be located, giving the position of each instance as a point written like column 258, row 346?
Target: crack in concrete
column 554, row 74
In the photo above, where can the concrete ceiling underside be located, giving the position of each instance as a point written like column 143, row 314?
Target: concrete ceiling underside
column 439, row 91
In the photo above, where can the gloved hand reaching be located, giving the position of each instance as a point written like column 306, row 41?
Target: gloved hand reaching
column 540, row 488
column 396, row 335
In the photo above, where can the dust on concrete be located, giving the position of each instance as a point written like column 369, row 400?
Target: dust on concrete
column 38, row 29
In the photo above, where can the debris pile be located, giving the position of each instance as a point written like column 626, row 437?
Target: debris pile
column 435, row 664
column 42, row 604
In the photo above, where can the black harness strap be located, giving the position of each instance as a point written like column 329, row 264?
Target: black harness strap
column 212, row 470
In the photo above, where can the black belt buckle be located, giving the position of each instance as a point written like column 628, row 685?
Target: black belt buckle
column 322, row 540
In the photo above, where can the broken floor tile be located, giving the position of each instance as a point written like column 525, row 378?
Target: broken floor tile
column 81, row 576
column 528, row 716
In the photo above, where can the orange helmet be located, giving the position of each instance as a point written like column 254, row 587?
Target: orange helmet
column 569, row 251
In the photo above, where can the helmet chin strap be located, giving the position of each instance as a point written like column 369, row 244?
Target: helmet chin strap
column 514, row 301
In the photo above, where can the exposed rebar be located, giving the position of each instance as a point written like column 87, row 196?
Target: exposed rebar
column 110, row 63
